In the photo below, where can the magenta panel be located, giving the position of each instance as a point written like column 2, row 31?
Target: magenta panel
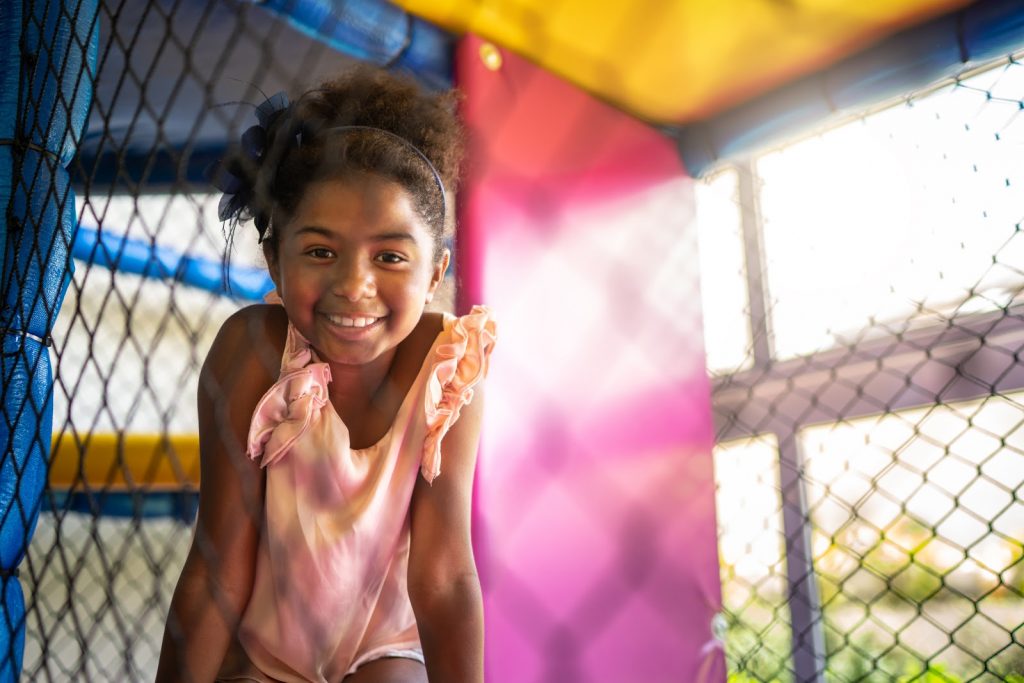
column 595, row 520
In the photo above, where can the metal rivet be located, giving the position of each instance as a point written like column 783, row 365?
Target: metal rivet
column 490, row 56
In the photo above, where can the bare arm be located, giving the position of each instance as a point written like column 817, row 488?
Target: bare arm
column 216, row 580
column 443, row 584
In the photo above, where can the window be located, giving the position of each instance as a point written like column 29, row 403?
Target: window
column 863, row 293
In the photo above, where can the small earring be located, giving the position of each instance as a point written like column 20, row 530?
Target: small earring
column 430, row 297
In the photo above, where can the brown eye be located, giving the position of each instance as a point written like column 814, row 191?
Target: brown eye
column 390, row 257
column 320, row 253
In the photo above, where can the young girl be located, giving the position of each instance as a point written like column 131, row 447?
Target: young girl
column 327, row 546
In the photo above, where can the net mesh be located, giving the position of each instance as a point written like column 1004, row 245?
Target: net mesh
column 865, row 349
column 888, row 281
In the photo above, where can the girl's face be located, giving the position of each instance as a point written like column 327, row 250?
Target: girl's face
column 355, row 267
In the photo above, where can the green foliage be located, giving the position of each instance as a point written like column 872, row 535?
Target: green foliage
column 741, row 677
column 936, row 673
column 863, row 643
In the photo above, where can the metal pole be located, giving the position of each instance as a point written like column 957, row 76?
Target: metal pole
column 804, row 603
column 804, row 600
column 753, row 243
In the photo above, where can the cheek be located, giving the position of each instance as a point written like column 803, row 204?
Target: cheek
column 426, row 279
column 410, row 291
column 300, row 285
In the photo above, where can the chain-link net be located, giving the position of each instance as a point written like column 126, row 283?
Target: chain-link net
column 43, row 118
column 135, row 327
column 871, row 429
column 865, row 351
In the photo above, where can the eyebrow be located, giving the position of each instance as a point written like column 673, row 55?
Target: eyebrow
column 381, row 237
column 395, row 235
column 315, row 229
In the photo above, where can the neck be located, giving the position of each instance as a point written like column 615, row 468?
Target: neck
column 357, row 386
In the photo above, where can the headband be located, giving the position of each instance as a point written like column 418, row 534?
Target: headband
column 413, row 148
column 235, row 204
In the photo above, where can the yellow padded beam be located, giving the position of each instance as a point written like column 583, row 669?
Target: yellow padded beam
column 674, row 61
column 125, row 462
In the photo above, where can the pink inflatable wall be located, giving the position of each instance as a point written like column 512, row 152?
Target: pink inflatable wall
column 595, row 524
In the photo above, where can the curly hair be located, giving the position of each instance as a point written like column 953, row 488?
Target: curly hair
column 302, row 146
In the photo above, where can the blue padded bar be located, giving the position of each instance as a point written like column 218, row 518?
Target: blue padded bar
column 47, row 61
column 374, row 31
column 127, row 255
column 912, row 59
column 180, row 505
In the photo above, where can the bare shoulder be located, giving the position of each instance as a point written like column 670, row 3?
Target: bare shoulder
column 432, row 323
column 243, row 362
column 413, row 350
column 422, row 337
column 249, row 345
column 259, row 329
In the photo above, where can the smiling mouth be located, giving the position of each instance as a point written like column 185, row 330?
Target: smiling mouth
column 355, row 322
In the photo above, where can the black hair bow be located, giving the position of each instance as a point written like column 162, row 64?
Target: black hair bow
column 235, row 176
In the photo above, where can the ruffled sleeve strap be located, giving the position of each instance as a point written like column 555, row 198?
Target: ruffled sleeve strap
column 292, row 404
column 459, row 363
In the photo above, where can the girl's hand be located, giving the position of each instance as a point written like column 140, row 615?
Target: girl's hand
column 443, row 584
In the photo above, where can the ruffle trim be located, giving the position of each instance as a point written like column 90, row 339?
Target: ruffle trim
column 458, row 366
column 295, row 401
column 286, row 411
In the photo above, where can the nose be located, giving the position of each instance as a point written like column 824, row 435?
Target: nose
column 354, row 280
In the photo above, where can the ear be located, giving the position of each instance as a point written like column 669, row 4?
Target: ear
column 270, row 254
column 440, row 268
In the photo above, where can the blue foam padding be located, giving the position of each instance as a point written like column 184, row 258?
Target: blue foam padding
column 180, row 505
column 127, row 255
column 900, row 64
column 47, row 66
column 374, row 31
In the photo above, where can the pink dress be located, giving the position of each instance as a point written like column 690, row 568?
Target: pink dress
column 330, row 590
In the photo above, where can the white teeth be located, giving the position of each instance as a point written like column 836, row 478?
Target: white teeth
column 346, row 321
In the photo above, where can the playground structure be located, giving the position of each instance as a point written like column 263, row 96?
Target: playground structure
column 596, row 531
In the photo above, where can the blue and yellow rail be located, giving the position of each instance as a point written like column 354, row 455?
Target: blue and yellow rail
column 148, row 475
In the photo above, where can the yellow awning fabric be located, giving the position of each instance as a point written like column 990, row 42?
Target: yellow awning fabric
column 675, row 61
